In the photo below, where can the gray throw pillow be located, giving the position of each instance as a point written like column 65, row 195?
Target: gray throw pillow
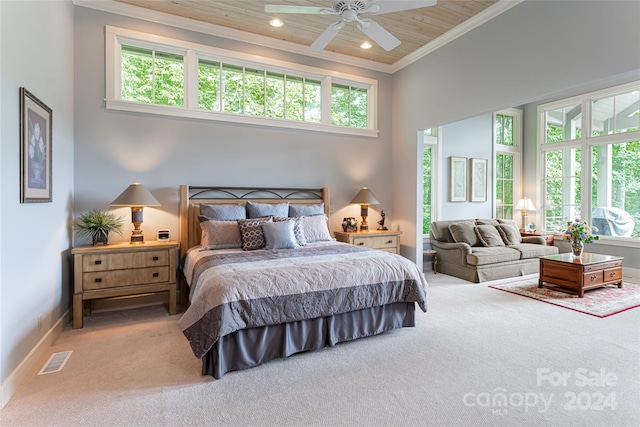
column 464, row 232
column 258, row 210
column 510, row 234
column 302, row 210
column 298, row 228
column 489, row 235
column 279, row 235
column 228, row 211
column 218, row 234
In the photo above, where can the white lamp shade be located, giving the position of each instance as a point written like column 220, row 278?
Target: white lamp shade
column 136, row 195
column 525, row 204
column 365, row 197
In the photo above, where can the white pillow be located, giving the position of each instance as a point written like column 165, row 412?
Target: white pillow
column 219, row 234
column 315, row 228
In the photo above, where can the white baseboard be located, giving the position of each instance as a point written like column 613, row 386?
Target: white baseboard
column 631, row 274
column 28, row 365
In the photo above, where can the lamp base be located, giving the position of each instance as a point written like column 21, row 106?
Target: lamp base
column 136, row 240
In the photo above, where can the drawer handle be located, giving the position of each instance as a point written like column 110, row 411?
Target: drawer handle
column 156, row 274
column 155, row 258
column 594, row 277
column 361, row 244
column 612, row 274
column 98, row 262
column 390, row 241
column 98, row 280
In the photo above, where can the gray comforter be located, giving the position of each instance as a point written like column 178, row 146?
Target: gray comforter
column 236, row 290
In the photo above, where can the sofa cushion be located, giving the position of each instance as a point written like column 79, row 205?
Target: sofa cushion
column 488, row 221
column 530, row 250
column 510, row 234
column 489, row 235
column 492, row 255
column 463, row 232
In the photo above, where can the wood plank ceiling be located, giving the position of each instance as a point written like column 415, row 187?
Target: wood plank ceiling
column 414, row 28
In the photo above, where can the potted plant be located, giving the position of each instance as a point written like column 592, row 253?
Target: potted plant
column 97, row 225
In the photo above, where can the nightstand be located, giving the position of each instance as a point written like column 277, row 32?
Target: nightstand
column 547, row 237
column 122, row 269
column 388, row 241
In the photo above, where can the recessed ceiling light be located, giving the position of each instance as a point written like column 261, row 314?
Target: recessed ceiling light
column 366, row 45
column 275, row 22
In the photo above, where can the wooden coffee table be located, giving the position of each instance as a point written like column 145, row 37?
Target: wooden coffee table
column 571, row 274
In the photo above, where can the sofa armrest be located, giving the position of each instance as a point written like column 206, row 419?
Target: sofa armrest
column 538, row 240
column 451, row 252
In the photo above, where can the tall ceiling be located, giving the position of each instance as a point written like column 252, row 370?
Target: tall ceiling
column 414, row 28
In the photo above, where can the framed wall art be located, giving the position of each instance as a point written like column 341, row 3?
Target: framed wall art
column 478, row 180
column 458, row 179
column 36, row 124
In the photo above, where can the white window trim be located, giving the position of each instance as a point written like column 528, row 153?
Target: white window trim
column 436, row 161
column 585, row 143
column 515, row 149
column 115, row 37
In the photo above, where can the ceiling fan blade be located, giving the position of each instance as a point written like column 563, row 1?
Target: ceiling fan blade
column 378, row 34
column 323, row 40
column 378, row 7
column 281, row 8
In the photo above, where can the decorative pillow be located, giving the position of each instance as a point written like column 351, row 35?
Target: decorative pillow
column 463, row 232
column 251, row 233
column 258, row 210
column 489, row 235
column 315, row 228
column 219, row 234
column 303, row 210
column 234, row 212
column 489, row 221
column 510, row 234
column 298, row 228
column 279, row 235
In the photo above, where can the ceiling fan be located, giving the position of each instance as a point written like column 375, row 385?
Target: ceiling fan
column 350, row 11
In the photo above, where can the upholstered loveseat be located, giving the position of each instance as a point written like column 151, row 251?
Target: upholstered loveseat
column 486, row 249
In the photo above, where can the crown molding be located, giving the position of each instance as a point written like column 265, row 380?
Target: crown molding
column 136, row 12
column 475, row 21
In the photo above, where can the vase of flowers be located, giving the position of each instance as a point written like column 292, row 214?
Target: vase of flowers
column 349, row 224
column 579, row 233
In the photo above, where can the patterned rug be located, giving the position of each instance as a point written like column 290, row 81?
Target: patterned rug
column 600, row 302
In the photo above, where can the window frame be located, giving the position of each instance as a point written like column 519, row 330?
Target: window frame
column 514, row 150
column 115, row 37
column 434, row 142
column 585, row 143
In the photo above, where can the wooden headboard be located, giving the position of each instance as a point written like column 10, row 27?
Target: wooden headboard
column 192, row 196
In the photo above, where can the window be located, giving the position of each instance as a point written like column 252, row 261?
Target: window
column 593, row 174
column 145, row 72
column 429, row 177
column 507, row 159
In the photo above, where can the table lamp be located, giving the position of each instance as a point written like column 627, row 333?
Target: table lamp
column 137, row 197
column 525, row 205
column 365, row 198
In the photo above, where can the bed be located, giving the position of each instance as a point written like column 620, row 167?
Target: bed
column 246, row 307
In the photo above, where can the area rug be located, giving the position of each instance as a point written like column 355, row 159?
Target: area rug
column 600, row 302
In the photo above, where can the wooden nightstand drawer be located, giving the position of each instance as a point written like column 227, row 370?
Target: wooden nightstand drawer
column 119, row 278
column 122, row 261
column 381, row 242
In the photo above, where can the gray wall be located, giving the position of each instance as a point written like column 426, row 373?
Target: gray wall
column 505, row 63
column 114, row 149
column 36, row 52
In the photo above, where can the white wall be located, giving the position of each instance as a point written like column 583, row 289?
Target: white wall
column 531, row 52
column 114, row 148
column 36, row 52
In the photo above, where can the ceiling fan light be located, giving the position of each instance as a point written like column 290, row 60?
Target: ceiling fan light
column 275, row 22
column 366, row 45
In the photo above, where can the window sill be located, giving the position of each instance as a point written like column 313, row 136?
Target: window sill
column 165, row 110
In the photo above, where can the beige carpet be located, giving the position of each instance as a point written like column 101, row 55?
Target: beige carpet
column 474, row 347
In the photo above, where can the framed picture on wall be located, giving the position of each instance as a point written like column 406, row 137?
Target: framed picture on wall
column 35, row 149
column 458, row 179
column 478, row 180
